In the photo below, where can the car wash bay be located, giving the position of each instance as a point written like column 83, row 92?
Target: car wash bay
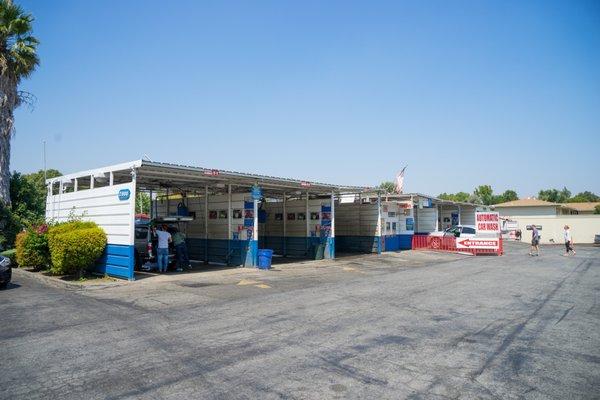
column 231, row 215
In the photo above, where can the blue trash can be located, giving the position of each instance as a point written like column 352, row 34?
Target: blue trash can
column 264, row 258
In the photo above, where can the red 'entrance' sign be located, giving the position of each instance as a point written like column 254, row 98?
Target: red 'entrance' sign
column 488, row 222
column 478, row 243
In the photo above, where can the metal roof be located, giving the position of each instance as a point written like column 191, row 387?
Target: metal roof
column 152, row 174
column 408, row 196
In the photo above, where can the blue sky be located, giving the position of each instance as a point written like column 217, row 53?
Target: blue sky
column 478, row 92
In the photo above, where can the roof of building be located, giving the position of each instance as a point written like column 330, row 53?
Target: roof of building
column 527, row 203
column 587, row 206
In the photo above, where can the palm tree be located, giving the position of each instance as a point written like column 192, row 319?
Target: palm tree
column 18, row 59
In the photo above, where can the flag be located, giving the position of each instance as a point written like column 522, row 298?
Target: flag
column 400, row 181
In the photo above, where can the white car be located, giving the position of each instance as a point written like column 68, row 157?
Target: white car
column 446, row 239
column 457, row 231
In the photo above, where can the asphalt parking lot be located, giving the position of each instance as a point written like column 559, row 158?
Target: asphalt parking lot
column 403, row 325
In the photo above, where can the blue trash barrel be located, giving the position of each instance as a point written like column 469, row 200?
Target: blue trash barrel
column 264, row 258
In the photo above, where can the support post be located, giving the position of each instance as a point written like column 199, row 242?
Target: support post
column 168, row 203
column 133, row 196
column 438, row 217
column 91, row 181
column 379, row 238
column 206, row 224
column 284, row 224
column 254, row 244
column 228, row 223
column 307, row 220
column 111, row 178
column 331, row 239
column 75, row 184
column 459, row 214
column 307, row 214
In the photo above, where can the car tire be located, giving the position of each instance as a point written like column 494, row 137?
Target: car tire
column 3, row 285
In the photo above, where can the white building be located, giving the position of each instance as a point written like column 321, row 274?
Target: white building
column 552, row 217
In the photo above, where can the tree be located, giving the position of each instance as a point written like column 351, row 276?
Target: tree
column 462, row 197
column 28, row 193
column 388, row 187
column 142, row 203
column 597, row 209
column 28, row 206
column 508, row 195
column 485, row 193
column 584, row 197
column 564, row 195
column 18, row 59
column 554, row 195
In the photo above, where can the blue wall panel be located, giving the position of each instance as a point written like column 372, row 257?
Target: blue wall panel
column 117, row 260
column 295, row 247
column 392, row 243
column 356, row 244
column 220, row 251
column 196, row 248
column 405, row 241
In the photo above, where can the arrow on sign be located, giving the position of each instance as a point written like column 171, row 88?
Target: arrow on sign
column 470, row 243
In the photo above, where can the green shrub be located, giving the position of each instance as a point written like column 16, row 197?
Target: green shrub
column 32, row 248
column 75, row 246
column 20, row 247
column 12, row 254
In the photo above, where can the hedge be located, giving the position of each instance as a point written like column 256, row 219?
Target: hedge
column 75, row 246
column 32, row 248
column 12, row 254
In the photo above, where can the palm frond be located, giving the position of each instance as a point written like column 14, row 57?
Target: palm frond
column 18, row 46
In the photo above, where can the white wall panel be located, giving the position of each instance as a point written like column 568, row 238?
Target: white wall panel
column 100, row 205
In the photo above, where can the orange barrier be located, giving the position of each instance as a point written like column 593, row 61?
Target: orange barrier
column 448, row 243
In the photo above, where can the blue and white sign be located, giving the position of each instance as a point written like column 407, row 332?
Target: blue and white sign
column 124, row 194
column 256, row 192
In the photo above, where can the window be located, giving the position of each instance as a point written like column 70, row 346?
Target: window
column 392, row 214
column 468, row 230
column 141, row 232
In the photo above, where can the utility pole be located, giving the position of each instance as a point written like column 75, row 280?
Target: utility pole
column 44, row 156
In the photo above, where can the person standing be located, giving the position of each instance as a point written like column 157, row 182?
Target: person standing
column 568, row 241
column 183, row 260
column 162, row 252
column 535, row 241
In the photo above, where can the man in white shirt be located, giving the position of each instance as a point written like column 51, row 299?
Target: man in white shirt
column 162, row 251
column 568, row 241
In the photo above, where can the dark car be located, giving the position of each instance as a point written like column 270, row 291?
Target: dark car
column 5, row 271
column 146, row 243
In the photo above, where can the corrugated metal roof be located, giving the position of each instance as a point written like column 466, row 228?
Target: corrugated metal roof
column 249, row 176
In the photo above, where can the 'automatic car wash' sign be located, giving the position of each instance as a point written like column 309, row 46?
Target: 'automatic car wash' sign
column 487, row 222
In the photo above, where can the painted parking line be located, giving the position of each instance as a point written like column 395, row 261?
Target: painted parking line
column 251, row 282
column 263, row 286
column 245, row 282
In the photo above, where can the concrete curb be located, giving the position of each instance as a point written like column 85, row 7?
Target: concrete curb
column 58, row 283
